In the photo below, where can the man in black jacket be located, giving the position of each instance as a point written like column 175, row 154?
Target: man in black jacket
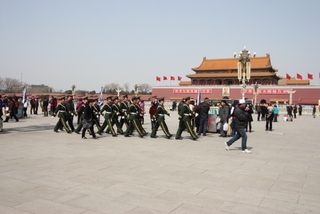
column 87, row 120
column 241, row 119
column 203, row 114
column 224, row 117
column 70, row 112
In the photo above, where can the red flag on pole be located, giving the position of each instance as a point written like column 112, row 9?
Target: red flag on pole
column 288, row 76
column 299, row 77
column 172, row 78
column 158, row 79
column 310, row 76
column 180, row 78
column 165, row 78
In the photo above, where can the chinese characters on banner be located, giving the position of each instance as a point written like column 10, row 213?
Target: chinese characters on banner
column 194, row 91
column 268, row 91
column 227, row 90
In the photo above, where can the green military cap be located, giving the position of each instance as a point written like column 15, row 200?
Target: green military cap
column 91, row 100
column 187, row 98
column 161, row 99
column 134, row 98
column 138, row 98
column 62, row 98
column 86, row 98
column 116, row 98
column 109, row 98
column 125, row 96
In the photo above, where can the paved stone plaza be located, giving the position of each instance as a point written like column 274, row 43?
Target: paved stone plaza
column 44, row 172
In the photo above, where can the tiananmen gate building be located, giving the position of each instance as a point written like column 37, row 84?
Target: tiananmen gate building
column 218, row 78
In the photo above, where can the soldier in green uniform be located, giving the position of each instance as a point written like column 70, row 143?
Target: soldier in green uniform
column 140, row 112
column 61, row 111
column 123, row 111
column 80, row 112
column 107, row 117
column 134, row 119
column 96, row 111
column 159, row 116
column 116, row 113
column 185, row 115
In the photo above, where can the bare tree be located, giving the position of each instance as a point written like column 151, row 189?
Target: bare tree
column 145, row 88
column 111, row 88
column 126, row 87
column 11, row 85
column 1, row 84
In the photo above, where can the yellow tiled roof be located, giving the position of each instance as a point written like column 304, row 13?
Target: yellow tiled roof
column 220, row 75
column 232, row 63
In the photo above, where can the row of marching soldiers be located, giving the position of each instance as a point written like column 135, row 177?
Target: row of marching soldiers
column 118, row 114
column 115, row 113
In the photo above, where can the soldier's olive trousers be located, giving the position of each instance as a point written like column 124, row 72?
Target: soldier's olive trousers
column 182, row 126
column 107, row 122
column 115, row 121
column 124, row 121
column 134, row 124
column 60, row 123
column 163, row 127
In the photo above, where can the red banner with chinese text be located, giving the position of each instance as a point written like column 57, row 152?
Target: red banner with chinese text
column 193, row 91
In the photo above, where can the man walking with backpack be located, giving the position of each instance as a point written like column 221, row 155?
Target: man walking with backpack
column 240, row 124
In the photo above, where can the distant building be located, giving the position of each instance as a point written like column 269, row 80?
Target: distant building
column 225, row 72
column 218, row 78
column 39, row 89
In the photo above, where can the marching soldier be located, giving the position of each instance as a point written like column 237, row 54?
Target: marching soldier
column 61, row 110
column 123, row 111
column 80, row 113
column 116, row 113
column 159, row 116
column 107, row 116
column 140, row 112
column 96, row 111
column 134, row 119
column 185, row 115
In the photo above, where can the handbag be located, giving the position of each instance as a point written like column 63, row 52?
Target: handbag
column 225, row 127
column 86, row 124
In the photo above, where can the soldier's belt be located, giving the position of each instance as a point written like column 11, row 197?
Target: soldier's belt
column 124, row 109
column 108, row 112
column 186, row 114
column 133, row 113
column 62, row 111
column 161, row 114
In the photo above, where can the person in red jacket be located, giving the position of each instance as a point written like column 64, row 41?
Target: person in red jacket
column 152, row 111
column 11, row 112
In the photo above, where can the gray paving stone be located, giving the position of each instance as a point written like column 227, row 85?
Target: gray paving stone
column 41, row 206
column 147, row 202
column 101, row 205
column 66, row 174
column 285, row 206
column 11, row 210
column 11, row 198
column 187, row 208
column 235, row 207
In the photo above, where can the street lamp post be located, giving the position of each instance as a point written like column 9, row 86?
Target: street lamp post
column 73, row 90
column 136, row 89
column 244, row 69
column 256, row 92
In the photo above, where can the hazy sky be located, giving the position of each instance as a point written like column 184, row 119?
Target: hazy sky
column 91, row 43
